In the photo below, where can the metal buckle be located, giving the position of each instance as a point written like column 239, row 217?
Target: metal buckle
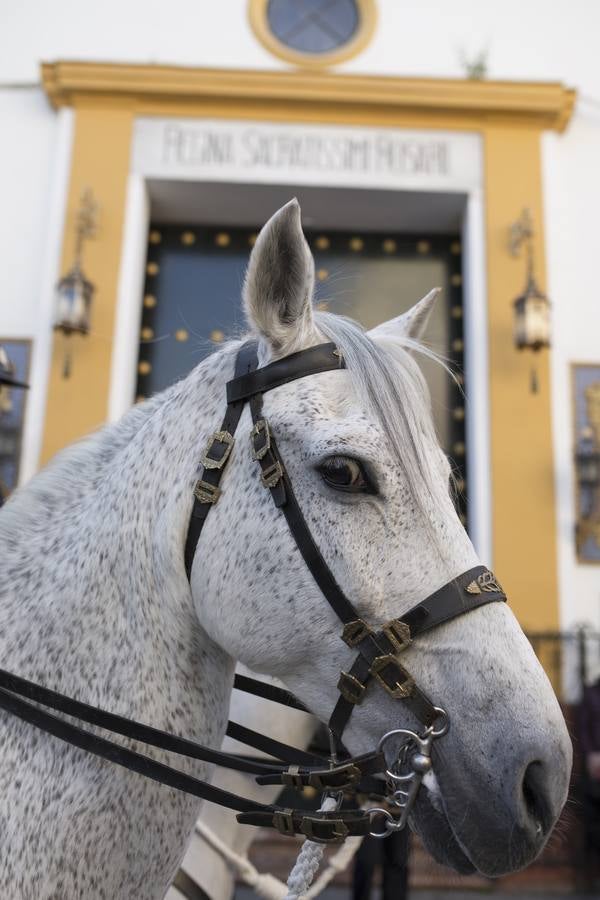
column 398, row 689
column 354, row 632
column 339, row 777
column 351, row 688
column 398, row 634
column 260, row 427
column 219, row 437
column 205, row 492
column 271, row 476
column 292, row 778
column 283, row 821
column 337, row 828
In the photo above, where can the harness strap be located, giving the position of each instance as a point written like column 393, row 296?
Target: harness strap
column 154, row 737
column 215, row 457
column 267, row 691
column 374, row 646
column 352, row 823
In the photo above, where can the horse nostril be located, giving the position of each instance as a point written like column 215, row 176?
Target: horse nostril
column 535, row 798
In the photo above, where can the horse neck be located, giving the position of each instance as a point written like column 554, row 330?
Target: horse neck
column 93, row 595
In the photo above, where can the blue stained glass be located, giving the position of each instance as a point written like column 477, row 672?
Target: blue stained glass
column 313, row 26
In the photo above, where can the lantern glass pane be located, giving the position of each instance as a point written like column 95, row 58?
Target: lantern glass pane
column 74, row 296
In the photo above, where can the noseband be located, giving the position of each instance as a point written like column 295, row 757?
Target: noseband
column 378, row 648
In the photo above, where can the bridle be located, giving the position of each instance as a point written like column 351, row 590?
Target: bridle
column 378, row 657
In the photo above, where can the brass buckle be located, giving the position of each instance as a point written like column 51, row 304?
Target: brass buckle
column 220, row 437
column 354, row 632
column 398, row 634
column 402, row 686
column 351, row 688
column 271, row 476
column 260, row 427
column 283, row 821
column 338, row 830
column 205, row 492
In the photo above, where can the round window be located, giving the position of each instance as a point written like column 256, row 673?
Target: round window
column 313, row 32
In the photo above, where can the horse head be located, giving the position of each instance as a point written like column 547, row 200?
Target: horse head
column 374, row 487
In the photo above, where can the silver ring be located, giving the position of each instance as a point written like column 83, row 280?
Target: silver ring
column 443, row 715
column 389, row 734
column 390, row 822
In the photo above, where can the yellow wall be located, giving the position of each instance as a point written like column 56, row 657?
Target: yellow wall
column 78, row 404
column 510, row 118
column 523, row 516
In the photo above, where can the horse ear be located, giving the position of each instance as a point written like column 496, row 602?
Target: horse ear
column 279, row 281
column 412, row 323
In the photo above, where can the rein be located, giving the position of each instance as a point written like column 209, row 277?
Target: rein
column 378, row 651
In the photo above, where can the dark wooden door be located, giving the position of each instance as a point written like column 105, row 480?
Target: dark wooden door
column 194, row 278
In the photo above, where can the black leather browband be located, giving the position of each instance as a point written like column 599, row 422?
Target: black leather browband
column 323, row 358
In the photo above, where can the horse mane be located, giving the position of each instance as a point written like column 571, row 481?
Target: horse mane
column 392, row 388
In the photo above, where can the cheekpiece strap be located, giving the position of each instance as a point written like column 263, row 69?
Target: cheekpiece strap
column 215, row 458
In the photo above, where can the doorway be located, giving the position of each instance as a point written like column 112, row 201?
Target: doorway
column 192, row 303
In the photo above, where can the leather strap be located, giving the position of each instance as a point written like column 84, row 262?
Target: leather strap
column 344, row 775
column 269, row 815
column 268, row 691
column 154, row 737
column 215, row 457
column 467, row 592
column 323, row 827
column 322, row 358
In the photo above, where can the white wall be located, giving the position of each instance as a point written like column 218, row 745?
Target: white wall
column 27, row 125
column 525, row 40
column 30, row 234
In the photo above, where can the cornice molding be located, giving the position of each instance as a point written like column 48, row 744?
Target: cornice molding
column 548, row 105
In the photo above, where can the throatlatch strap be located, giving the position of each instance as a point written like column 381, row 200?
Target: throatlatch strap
column 215, row 457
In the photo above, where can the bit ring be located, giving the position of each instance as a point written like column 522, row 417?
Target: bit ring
column 390, row 823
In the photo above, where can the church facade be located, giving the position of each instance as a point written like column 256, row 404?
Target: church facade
column 410, row 168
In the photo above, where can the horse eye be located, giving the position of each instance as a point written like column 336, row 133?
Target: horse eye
column 345, row 474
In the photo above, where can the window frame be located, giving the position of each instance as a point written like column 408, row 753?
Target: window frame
column 259, row 22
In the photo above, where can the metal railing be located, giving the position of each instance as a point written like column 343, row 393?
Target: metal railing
column 571, row 659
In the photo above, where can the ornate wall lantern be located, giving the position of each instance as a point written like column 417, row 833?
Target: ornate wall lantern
column 532, row 307
column 74, row 292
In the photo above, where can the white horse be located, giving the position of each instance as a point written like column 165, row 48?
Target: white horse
column 95, row 603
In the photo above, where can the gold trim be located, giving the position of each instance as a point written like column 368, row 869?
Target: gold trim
column 257, row 16
column 308, row 96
